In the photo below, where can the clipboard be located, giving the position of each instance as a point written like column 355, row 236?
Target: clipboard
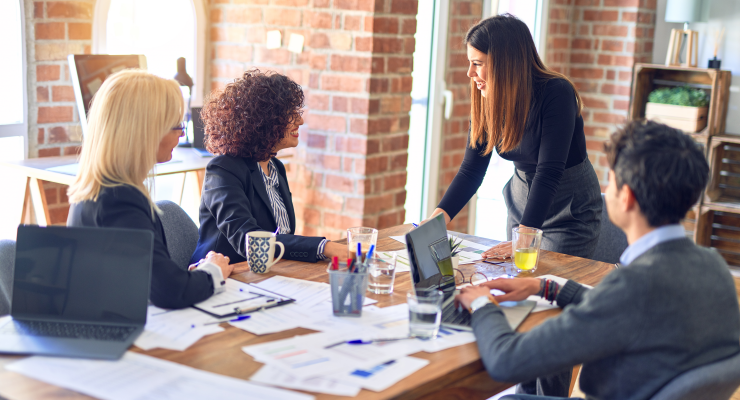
column 242, row 298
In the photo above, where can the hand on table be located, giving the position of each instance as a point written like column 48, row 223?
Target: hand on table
column 332, row 250
column 217, row 259
column 499, row 251
column 515, row 289
column 470, row 293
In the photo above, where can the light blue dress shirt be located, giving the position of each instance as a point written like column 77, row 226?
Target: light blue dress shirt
column 652, row 239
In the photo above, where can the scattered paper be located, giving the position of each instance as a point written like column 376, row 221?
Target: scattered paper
column 239, row 295
column 175, row 329
column 136, row 376
column 270, row 375
column 447, row 338
column 385, row 375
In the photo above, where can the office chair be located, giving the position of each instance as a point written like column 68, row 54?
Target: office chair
column 180, row 232
column 7, row 262
column 612, row 241
column 714, row 381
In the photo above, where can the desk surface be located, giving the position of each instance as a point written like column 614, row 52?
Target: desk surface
column 221, row 353
column 183, row 160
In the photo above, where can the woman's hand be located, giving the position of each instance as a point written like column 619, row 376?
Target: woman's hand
column 470, row 293
column 436, row 212
column 218, row 260
column 332, row 250
column 515, row 289
column 501, row 250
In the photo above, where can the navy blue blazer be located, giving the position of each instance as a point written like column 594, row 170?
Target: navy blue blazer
column 126, row 207
column 234, row 202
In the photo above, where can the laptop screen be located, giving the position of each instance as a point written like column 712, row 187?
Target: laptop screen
column 82, row 274
column 420, row 243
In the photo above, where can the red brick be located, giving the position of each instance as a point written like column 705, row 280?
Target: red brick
column 312, row 216
column 319, row 40
column 55, row 114
column 622, row 61
column 291, row 3
column 582, row 58
column 408, row 26
column 610, row 30
column 558, row 43
column 404, row 7
column 612, row 45
column 271, row 56
column 629, row 16
column 316, row 141
column 42, row 94
column 255, row 34
column 49, row 30
column 58, row 135
column 53, row 152
column 589, row 73
column 622, row 105
column 409, row 45
column 40, row 138
column 608, row 88
column 70, row 151
column 245, row 15
column 316, row 101
column 69, row 9
column 352, row 23
column 282, row 16
column 364, row 44
column 388, row 25
column 387, row 45
column 598, row 15
column 351, row 63
column 592, row 102
column 610, row 75
column 400, row 64
column 584, row 44
column 323, row 122
column 234, row 53
column 342, row 83
column 355, row 5
column 79, row 31
column 340, row 183
column 625, row 76
column 321, row 20
column 62, row 93
column 219, row 70
column 609, row 118
column 621, row 3
column 38, row 9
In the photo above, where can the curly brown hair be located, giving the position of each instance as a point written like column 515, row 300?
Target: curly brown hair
column 251, row 115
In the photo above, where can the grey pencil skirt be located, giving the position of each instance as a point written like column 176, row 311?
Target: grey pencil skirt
column 574, row 220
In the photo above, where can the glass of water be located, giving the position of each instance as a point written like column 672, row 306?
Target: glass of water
column 425, row 313
column 380, row 275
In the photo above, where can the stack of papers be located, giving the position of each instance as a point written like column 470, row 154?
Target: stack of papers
column 175, row 329
column 136, row 376
column 469, row 252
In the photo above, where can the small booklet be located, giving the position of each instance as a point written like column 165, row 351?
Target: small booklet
column 241, row 298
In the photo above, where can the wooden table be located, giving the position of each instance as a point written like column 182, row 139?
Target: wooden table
column 456, row 367
column 36, row 170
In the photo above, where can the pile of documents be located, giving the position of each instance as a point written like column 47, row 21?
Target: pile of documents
column 469, row 252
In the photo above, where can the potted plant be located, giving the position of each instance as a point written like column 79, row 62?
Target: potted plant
column 454, row 250
column 680, row 107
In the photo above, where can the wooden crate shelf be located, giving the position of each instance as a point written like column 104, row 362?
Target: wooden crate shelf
column 648, row 77
column 723, row 191
column 721, row 231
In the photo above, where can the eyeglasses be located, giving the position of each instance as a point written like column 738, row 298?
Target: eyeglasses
column 182, row 128
column 459, row 278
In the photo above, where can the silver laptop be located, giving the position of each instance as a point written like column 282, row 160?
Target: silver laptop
column 78, row 292
column 426, row 276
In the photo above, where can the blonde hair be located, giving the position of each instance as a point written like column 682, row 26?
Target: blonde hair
column 129, row 116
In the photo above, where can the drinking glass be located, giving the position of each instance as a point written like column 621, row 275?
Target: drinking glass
column 364, row 236
column 425, row 313
column 525, row 246
column 381, row 274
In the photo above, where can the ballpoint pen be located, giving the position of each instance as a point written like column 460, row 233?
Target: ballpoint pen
column 239, row 318
column 414, row 224
column 276, row 231
column 369, row 341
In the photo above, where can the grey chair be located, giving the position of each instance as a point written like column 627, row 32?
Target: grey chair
column 7, row 261
column 180, row 232
column 612, row 241
column 715, row 381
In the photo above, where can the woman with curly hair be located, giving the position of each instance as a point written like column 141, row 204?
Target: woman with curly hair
column 245, row 187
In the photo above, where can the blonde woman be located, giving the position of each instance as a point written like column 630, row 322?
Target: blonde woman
column 134, row 123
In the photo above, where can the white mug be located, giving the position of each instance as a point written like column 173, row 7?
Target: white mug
column 261, row 247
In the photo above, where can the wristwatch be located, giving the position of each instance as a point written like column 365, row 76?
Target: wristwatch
column 480, row 302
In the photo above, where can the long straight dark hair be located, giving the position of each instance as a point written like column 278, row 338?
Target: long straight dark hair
column 513, row 67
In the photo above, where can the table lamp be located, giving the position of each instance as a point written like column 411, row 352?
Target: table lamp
column 684, row 43
column 184, row 79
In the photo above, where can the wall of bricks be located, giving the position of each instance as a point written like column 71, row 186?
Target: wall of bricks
column 463, row 15
column 596, row 43
column 55, row 29
column 350, row 168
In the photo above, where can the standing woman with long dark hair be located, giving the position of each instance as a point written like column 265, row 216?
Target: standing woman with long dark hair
column 530, row 115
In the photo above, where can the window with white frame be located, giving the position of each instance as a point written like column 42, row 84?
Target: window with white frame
column 13, row 102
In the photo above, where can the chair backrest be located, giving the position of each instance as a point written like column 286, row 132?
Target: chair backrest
column 7, row 262
column 714, row 381
column 612, row 241
column 180, row 232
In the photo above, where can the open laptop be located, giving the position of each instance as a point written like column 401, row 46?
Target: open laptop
column 420, row 243
column 78, row 292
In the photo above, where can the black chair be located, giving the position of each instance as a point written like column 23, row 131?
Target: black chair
column 612, row 241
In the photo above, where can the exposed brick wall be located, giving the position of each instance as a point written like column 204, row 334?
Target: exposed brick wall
column 55, row 29
column 463, row 15
column 350, row 168
column 596, row 43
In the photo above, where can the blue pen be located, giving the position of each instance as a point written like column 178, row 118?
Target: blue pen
column 359, row 252
column 370, row 252
column 415, row 225
column 239, row 318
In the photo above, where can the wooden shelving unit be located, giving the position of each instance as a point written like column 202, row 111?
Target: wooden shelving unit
column 715, row 221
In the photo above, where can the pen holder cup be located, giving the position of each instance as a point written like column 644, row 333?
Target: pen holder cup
column 347, row 291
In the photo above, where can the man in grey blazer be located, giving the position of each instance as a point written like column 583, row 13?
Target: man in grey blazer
column 671, row 307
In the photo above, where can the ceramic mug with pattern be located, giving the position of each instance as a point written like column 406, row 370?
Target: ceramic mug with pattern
column 261, row 249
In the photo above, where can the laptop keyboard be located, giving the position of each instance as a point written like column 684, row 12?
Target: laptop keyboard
column 72, row 330
column 451, row 315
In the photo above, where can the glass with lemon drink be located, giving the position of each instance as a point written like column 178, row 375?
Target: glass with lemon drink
column 525, row 243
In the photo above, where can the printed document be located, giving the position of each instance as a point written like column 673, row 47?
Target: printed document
column 175, row 329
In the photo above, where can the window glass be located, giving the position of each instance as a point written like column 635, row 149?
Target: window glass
column 11, row 68
column 162, row 30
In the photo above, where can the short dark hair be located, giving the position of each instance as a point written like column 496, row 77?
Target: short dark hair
column 665, row 168
column 251, row 115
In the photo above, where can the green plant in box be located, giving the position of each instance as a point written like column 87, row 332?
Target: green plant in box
column 679, row 96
